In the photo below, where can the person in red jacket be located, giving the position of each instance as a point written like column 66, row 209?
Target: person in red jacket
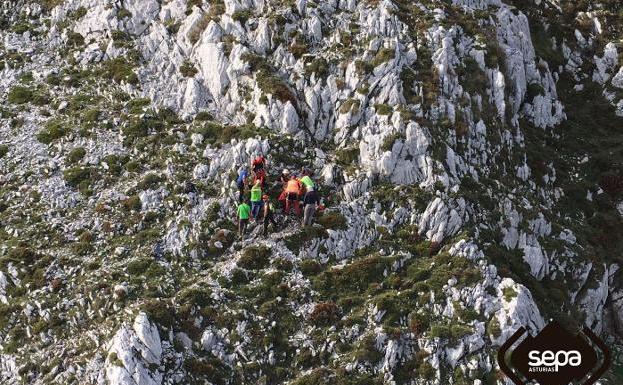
column 259, row 169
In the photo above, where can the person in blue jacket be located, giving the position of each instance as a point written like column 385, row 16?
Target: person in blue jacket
column 243, row 175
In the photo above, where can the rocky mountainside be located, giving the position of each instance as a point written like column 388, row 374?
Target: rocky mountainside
column 469, row 152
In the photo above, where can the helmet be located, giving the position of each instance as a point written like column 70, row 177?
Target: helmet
column 285, row 172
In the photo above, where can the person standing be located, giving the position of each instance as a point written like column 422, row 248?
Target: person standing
column 268, row 215
column 293, row 191
column 310, row 204
column 259, row 166
column 285, row 177
column 256, row 199
column 243, row 174
column 244, row 211
column 307, row 182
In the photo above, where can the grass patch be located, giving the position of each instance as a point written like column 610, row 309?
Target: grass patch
column 20, row 95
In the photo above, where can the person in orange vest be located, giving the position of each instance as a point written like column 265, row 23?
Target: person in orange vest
column 293, row 193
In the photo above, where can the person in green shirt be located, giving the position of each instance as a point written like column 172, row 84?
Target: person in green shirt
column 256, row 199
column 244, row 212
column 308, row 183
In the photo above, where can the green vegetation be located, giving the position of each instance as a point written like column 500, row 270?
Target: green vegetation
column 389, row 140
column 75, row 39
column 350, row 105
column 509, row 293
column 188, row 69
column 255, row 258
column 535, row 89
column 267, row 80
column 203, row 116
column 76, row 155
column 121, row 39
column 472, row 77
column 452, row 331
column 493, row 327
column 355, row 277
column 150, row 181
column 346, row 156
column 80, row 177
column 319, row 66
column 123, row 13
column 216, row 134
column 4, row 149
column 295, row 241
column 119, row 70
column 132, row 203
column 383, row 109
column 54, row 129
column 324, row 376
column 242, row 16
column 544, row 47
column 160, row 311
column 78, row 13
column 383, row 56
column 332, row 220
column 20, row 95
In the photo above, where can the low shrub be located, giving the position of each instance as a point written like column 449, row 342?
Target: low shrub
column 20, row 95
column 450, row 332
column 383, row 56
column 119, row 70
column 346, row 156
column 319, row 66
column 383, row 109
column 242, row 16
column 75, row 39
column 255, row 258
column 132, row 203
column 76, row 175
column 310, row 267
column 350, row 105
column 188, row 69
column 203, row 116
column 332, row 220
column 54, row 129
column 324, row 314
column 160, row 311
column 150, row 181
column 76, row 155
column 389, row 140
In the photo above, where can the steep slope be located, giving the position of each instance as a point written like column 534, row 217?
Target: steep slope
column 469, row 153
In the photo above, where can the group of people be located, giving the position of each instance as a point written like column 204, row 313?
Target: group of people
column 255, row 204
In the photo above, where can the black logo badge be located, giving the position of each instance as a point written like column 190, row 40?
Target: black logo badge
column 554, row 357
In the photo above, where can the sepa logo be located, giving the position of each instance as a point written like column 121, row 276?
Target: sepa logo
column 554, row 357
